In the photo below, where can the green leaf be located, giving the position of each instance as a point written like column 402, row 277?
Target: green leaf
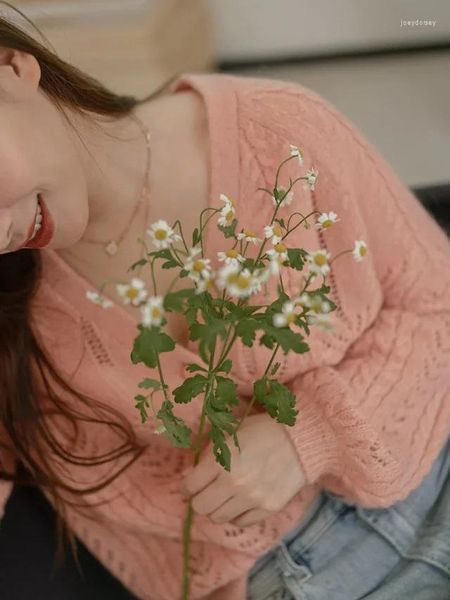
column 297, row 258
column 195, row 236
column 142, row 405
column 225, row 366
column 229, row 230
column 190, row 388
column 277, row 398
column 139, row 263
column 165, row 253
column 151, row 383
column 288, row 339
column 149, row 344
column 191, row 367
column 246, row 329
column 207, row 333
column 238, row 312
column 222, row 419
column 175, row 301
column 220, row 448
column 274, row 368
column 224, row 393
column 176, row 430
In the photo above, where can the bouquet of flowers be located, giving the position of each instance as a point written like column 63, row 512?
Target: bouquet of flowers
column 221, row 297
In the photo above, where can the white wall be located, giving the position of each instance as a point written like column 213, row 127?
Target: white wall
column 252, row 29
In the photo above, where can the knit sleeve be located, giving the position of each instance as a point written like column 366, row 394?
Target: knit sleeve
column 370, row 427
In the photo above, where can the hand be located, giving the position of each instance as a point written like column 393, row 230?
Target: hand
column 264, row 476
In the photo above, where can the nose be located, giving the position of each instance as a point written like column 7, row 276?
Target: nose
column 5, row 231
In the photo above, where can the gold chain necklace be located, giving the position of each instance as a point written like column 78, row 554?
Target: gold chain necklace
column 111, row 247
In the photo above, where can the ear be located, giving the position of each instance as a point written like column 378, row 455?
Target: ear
column 19, row 67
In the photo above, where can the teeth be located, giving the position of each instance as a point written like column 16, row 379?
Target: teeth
column 38, row 222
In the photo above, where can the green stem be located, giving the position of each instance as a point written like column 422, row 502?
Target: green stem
column 202, row 227
column 190, row 513
column 252, row 401
column 181, row 233
column 289, row 231
column 152, row 269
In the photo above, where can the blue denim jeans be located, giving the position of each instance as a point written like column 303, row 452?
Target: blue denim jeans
column 341, row 551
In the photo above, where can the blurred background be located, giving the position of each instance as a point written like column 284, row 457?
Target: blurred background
column 385, row 64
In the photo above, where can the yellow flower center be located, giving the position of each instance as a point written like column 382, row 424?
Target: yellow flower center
column 362, row 250
column 132, row 293
column 156, row 312
column 327, row 223
column 229, row 216
column 232, row 253
column 160, row 234
column 249, row 233
column 241, row 281
column 277, row 230
column 320, row 260
column 280, row 247
column 316, row 304
column 198, row 266
column 291, row 317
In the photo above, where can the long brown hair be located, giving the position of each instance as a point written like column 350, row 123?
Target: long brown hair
column 23, row 429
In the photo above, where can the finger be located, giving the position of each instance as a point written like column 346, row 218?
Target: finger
column 204, row 473
column 211, row 498
column 251, row 517
column 231, row 509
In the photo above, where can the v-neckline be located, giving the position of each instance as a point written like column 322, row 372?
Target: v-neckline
column 221, row 117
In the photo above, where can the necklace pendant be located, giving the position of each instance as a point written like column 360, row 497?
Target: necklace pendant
column 111, row 248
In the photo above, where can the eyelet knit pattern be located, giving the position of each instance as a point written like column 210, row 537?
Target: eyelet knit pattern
column 373, row 395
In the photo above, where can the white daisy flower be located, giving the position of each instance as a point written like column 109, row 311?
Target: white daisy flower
column 311, row 178
column 162, row 234
column 321, row 320
column 312, row 301
column 228, row 200
column 359, row 250
column 202, row 285
column 239, row 283
column 96, row 298
column 193, row 251
column 230, row 256
column 132, row 293
column 318, row 262
column 326, row 220
column 302, row 300
column 198, row 267
column 273, row 232
column 227, row 215
column 276, row 264
column 286, row 316
column 295, row 151
column 249, row 236
column 152, row 311
column 279, row 250
column 286, row 200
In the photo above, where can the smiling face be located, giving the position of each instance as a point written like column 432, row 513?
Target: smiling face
column 38, row 157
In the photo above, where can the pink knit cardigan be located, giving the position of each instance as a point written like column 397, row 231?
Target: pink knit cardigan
column 373, row 395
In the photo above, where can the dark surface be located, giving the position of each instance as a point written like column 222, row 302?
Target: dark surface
column 27, row 548
column 436, row 200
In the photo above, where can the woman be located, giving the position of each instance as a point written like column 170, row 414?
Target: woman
column 362, row 474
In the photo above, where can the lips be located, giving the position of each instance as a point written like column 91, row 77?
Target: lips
column 45, row 233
